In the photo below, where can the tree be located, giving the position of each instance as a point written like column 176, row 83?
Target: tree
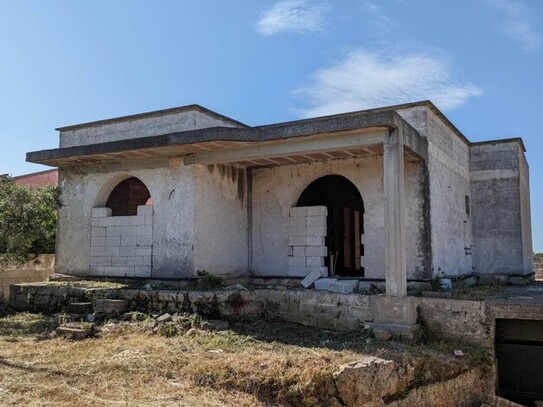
column 28, row 217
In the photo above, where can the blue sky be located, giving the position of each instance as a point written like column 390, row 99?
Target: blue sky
column 67, row 62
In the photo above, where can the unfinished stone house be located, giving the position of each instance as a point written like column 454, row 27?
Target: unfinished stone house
column 395, row 193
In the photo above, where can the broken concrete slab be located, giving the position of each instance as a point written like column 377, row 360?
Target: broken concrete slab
column 75, row 332
column 323, row 284
column 311, row 278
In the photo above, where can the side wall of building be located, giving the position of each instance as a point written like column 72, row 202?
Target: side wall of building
column 220, row 245
column 501, row 209
column 275, row 190
column 172, row 189
column 449, row 178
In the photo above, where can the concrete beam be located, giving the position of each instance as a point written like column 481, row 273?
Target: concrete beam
column 395, row 247
column 290, row 147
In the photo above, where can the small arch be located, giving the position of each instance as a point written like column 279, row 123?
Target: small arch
column 127, row 195
column 345, row 221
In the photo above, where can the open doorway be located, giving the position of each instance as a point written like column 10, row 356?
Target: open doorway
column 345, row 222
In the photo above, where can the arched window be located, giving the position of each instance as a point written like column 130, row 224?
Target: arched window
column 345, row 223
column 127, row 196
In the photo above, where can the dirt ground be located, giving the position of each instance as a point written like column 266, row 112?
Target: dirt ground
column 253, row 363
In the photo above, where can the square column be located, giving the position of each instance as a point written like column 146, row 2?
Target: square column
column 395, row 251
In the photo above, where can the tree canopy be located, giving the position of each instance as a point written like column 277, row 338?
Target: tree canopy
column 28, row 217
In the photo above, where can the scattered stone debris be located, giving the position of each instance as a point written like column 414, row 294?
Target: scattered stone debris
column 310, row 279
column 381, row 334
column 164, row 318
column 75, row 331
column 458, row 352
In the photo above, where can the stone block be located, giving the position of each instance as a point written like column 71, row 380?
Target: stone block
column 316, row 221
column 145, row 230
column 316, row 231
column 324, row 283
column 316, row 251
column 127, row 250
column 298, row 251
column 298, row 221
column 310, row 279
column 137, row 220
column 130, row 230
column 114, row 231
column 297, row 231
column 119, row 261
column 113, row 241
column 145, row 210
column 148, row 220
column 296, row 271
column 300, row 211
column 72, row 332
column 144, row 240
column 98, row 231
column 296, row 261
column 128, row 240
column 98, row 241
column 147, row 260
column 296, row 240
column 134, row 261
column 106, row 306
column 344, row 286
column 315, row 261
column 144, row 251
column 315, row 240
column 317, row 211
column 101, row 212
column 111, row 250
column 100, row 260
column 142, row 271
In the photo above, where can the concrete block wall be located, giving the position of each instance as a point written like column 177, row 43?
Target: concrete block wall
column 121, row 246
column 307, row 233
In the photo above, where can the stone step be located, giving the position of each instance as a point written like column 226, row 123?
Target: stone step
column 110, row 307
column 74, row 332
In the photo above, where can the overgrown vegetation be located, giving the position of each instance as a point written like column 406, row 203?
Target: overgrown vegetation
column 28, row 219
column 253, row 363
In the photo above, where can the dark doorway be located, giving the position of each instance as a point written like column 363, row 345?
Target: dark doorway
column 127, row 196
column 345, row 224
column 519, row 359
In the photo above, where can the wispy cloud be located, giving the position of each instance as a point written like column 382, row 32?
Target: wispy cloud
column 364, row 79
column 292, row 16
column 518, row 23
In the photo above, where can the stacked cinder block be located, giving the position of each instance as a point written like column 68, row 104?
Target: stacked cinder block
column 307, row 232
column 122, row 246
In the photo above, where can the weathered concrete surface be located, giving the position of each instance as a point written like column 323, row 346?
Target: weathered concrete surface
column 538, row 268
column 449, row 183
column 501, row 209
column 277, row 189
column 33, row 271
column 143, row 126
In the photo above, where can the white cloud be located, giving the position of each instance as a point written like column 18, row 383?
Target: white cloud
column 366, row 79
column 519, row 26
column 292, row 16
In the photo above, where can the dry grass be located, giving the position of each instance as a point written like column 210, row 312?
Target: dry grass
column 256, row 363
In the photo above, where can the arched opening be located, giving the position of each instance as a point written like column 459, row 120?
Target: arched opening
column 345, row 223
column 127, row 196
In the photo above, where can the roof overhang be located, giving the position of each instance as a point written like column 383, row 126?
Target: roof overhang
column 340, row 136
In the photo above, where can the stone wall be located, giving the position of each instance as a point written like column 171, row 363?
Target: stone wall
column 38, row 269
column 538, row 268
column 122, row 246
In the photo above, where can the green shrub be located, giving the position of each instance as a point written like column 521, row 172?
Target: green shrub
column 28, row 217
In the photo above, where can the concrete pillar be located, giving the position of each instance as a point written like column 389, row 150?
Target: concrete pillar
column 395, row 257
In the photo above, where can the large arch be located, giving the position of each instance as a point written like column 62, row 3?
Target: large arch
column 126, row 196
column 345, row 221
